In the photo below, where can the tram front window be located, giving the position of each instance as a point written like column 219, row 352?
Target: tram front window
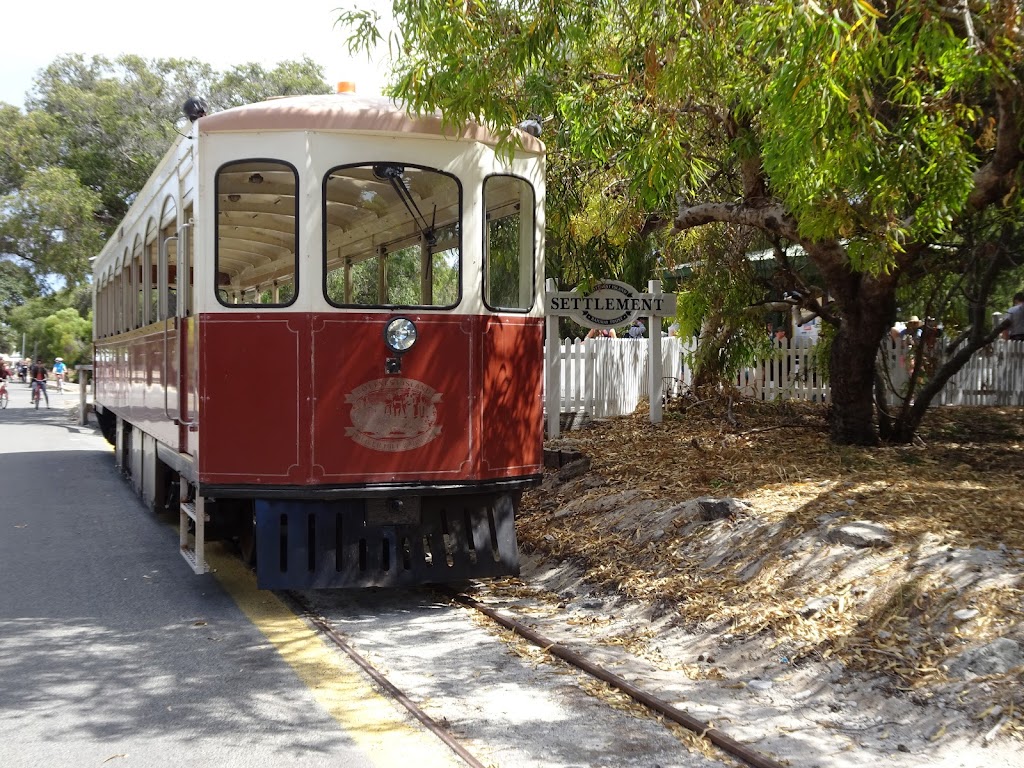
column 392, row 236
column 509, row 243
column 257, row 233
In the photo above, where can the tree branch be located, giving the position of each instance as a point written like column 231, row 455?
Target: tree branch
column 995, row 179
column 770, row 217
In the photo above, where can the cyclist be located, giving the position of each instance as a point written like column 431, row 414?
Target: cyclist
column 59, row 369
column 5, row 374
column 38, row 375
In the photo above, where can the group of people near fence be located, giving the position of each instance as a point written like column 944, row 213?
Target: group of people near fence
column 915, row 331
column 636, row 330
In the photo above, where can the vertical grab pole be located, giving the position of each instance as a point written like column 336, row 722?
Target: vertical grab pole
column 184, row 301
column 163, row 285
column 552, row 372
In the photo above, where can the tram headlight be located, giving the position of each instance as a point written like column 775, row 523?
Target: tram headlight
column 400, row 334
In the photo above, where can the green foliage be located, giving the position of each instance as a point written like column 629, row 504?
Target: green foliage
column 503, row 262
column 249, row 83
column 50, row 222
column 866, row 123
column 93, row 132
column 55, row 325
column 66, row 334
column 403, row 280
column 719, row 302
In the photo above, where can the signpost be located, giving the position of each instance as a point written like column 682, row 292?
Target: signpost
column 609, row 304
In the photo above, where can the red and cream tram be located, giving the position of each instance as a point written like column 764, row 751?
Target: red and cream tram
column 318, row 332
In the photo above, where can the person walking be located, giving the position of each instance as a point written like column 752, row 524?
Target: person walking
column 1015, row 331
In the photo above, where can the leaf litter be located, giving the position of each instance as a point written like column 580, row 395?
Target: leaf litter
column 947, row 577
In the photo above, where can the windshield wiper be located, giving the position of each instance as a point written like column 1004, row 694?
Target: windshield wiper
column 393, row 174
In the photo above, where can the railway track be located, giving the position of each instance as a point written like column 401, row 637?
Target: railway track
column 658, row 708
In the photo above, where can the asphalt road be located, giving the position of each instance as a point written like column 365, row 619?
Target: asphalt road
column 112, row 653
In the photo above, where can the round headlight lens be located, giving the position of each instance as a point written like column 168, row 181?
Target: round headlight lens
column 400, row 334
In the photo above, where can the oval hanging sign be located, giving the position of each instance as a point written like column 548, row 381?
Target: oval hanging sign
column 610, row 303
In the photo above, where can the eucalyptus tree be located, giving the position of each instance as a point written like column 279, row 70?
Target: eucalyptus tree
column 16, row 288
column 870, row 134
column 92, row 132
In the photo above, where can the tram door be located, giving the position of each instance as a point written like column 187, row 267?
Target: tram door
column 178, row 374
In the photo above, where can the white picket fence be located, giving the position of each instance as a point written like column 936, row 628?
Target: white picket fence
column 787, row 373
column 608, row 377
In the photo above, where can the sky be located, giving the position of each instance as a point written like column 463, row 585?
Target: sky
column 219, row 32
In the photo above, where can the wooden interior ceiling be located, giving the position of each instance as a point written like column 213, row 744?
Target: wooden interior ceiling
column 256, row 217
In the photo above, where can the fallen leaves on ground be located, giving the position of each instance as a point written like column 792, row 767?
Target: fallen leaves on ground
column 953, row 503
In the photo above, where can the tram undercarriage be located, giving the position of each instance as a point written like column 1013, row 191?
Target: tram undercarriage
column 386, row 537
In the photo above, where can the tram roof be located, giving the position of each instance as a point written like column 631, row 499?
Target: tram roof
column 346, row 112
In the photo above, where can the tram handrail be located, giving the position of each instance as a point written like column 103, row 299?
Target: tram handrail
column 184, row 297
column 162, row 309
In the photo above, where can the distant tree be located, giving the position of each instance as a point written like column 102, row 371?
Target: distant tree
column 54, row 327
column 249, row 83
column 16, row 287
column 68, row 335
column 92, row 134
column 50, row 223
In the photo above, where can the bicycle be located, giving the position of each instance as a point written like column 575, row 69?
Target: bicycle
column 3, row 395
column 39, row 387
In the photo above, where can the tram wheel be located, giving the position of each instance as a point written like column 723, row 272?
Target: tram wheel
column 247, row 537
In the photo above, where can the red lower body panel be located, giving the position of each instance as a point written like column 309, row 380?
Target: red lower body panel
column 307, row 399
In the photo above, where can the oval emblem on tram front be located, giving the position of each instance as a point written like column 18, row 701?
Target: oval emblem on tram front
column 393, row 414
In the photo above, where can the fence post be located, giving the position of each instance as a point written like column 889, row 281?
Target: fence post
column 83, row 384
column 553, row 373
column 654, row 357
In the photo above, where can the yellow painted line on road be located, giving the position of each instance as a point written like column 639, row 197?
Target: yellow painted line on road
column 374, row 722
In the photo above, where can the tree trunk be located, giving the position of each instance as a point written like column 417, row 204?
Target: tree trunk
column 907, row 426
column 865, row 320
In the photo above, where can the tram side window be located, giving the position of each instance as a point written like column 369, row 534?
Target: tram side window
column 150, row 281
column 257, row 233
column 169, row 237
column 392, row 236
column 138, row 292
column 509, row 243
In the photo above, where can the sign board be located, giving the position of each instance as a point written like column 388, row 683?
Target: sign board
column 610, row 303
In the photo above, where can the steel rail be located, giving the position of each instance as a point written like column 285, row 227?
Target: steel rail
column 429, row 723
column 706, row 730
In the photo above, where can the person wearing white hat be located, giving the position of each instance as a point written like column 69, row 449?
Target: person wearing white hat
column 913, row 328
column 59, row 369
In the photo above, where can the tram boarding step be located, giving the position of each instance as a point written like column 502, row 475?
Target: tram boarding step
column 192, row 543
column 352, row 543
